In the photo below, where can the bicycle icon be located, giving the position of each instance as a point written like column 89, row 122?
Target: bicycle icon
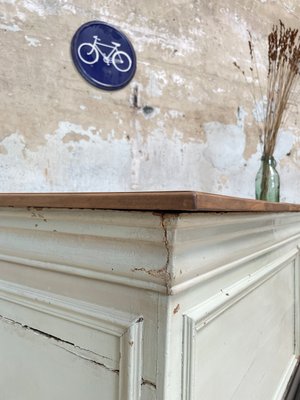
column 90, row 53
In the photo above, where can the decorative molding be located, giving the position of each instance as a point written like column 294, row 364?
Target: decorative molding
column 203, row 314
column 128, row 328
column 281, row 390
column 226, row 267
column 232, row 265
column 205, row 245
column 226, row 242
column 131, row 362
column 168, row 254
column 297, row 305
column 84, row 273
column 188, row 354
column 121, row 247
column 216, row 305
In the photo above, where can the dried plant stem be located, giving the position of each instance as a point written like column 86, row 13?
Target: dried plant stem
column 283, row 74
column 284, row 59
column 282, row 77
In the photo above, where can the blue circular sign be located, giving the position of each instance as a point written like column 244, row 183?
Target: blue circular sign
column 103, row 55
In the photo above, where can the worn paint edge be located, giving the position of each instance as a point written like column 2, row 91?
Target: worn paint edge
column 131, row 362
column 279, row 395
column 79, row 312
column 188, row 358
column 180, row 287
column 65, row 345
column 85, row 273
column 127, row 327
column 206, row 312
column 198, row 317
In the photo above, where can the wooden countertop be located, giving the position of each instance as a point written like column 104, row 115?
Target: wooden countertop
column 145, row 201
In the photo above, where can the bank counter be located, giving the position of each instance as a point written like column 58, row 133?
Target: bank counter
column 147, row 296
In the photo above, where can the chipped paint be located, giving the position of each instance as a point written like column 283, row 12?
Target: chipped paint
column 32, row 42
column 285, row 142
column 225, row 143
column 35, row 6
column 146, row 382
column 259, row 110
column 3, row 149
column 10, row 28
column 219, row 90
column 175, row 114
column 178, row 79
column 176, row 309
column 157, row 82
column 75, row 137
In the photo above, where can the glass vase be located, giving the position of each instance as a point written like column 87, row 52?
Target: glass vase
column 267, row 182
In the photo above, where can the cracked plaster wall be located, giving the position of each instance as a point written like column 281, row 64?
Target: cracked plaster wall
column 186, row 121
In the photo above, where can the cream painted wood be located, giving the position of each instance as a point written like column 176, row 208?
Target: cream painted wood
column 145, row 306
column 264, row 330
column 114, row 338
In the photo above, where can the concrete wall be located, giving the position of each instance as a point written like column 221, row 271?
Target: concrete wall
column 192, row 126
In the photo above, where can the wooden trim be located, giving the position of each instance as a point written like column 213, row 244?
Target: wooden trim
column 212, row 202
column 144, row 201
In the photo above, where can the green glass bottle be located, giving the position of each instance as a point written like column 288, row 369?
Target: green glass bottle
column 267, row 182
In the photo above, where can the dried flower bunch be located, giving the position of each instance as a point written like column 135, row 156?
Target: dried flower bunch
column 282, row 77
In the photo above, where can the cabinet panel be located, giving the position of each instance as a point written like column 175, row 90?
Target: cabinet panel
column 35, row 367
column 64, row 348
column 240, row 344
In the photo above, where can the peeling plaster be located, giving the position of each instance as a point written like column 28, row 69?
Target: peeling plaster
column 11, row 28
column 75, row 137
column 70, row 8
column 178, row 79
column 286, row 140
column 225, row 143
column 3, row 149
column 219, row 90
column 91, row 163
column 35, row 6
column 177, row 114
column 157, row 82
column 97, row 97
column 33, row 42
column 136, row 155
column 259, row 110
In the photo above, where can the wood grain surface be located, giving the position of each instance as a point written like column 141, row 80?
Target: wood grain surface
column 145, row 201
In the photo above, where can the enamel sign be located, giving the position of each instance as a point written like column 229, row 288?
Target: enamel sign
column 103, row 55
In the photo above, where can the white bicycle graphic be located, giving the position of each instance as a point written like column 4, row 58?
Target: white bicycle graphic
column 90, row 53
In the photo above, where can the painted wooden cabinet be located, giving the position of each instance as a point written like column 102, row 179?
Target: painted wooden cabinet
column 151, row 305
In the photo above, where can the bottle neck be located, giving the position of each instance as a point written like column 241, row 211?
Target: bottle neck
column 270, row 160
